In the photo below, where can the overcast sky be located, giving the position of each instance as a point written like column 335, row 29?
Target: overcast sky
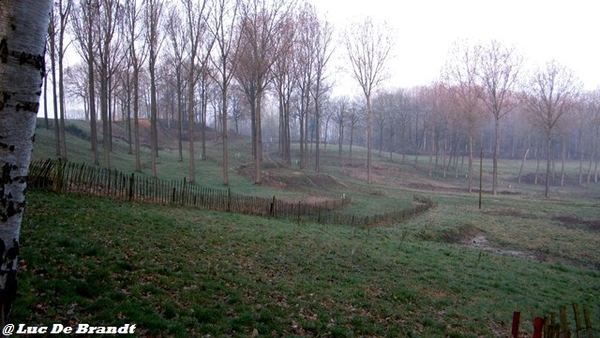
column 567, row 31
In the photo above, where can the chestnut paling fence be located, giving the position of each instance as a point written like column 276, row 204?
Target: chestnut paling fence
column 82, row 178
column 576, row 324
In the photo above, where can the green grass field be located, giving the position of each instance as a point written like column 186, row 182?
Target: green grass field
column 455, row 271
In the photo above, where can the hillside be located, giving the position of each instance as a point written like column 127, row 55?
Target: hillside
column 456, row 270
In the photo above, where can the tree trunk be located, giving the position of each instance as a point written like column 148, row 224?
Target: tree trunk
column 179, row 115
column 128, row 98
column 258, row 141
column 581, row 153
column 109, row 101
column 537, row 166
column 593, row 158
column 91, row 88
column 548, row 164
column 46, row 122
column 369, row 137
column 522, row 165
column 286, row 129
column 402, row 139
column 470, row 169
column 203, row 108
column 104, row 113
column 23, row 29
column 340, row 139
column 351, row 142
column 562, row 165
column 153, row 116
column 225, row 133
column 203, row 112
column 55, row 102
column 495, row 157
column 391, row 146
column 301, row 121
column 318, row 135
column 61, row 88
column 136, row 116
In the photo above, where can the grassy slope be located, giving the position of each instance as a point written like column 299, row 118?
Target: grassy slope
column 228, row 274
column 181, row 272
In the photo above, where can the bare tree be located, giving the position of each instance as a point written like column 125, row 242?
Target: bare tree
column 550, row 95
column 56, row 34
column 303, row 72
column 311, row 52
column 284, row 80
column 52, row 32
column 341, row 106
column 195, row 21
column 23, row 29
column 76, row 82
column 153, row 13
column 137, row 50
column 369, row 46
column 108, row 14
column 355, row 115
column 460, row 76
column 64, row 11
column 594, row 129
column 178, row 38
column 323, row 50
column 380, row 105
column 226, row 38
column 83, row 26
column 237, row 111
column 261, row 23
column 498, row 73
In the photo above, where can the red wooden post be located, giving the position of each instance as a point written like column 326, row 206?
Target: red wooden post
column 515, row 324
column 538, row 326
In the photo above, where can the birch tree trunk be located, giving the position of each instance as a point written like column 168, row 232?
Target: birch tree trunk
column 23, row 29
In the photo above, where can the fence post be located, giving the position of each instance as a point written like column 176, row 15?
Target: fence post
column 577, row 314
column 183, row 192
column 550, row 327
column 588, row 321
column 564, row 325
column 538, row 326
column 58, row 175
column 272, row 211
column 131, row 181
column 515, row 324
column 228, row 199
column 319, row 215
column 108, row 182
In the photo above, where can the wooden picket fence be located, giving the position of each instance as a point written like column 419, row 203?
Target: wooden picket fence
column 560, row 327
column 110, row 183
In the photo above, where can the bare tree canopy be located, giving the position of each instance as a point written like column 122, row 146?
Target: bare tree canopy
column 261, row 23
column 226, row 35
column 499, row 68
column 551, row 93
column 369, row 46
column 460, row 77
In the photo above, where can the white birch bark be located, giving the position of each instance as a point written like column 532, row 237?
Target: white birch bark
column 23, row 29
